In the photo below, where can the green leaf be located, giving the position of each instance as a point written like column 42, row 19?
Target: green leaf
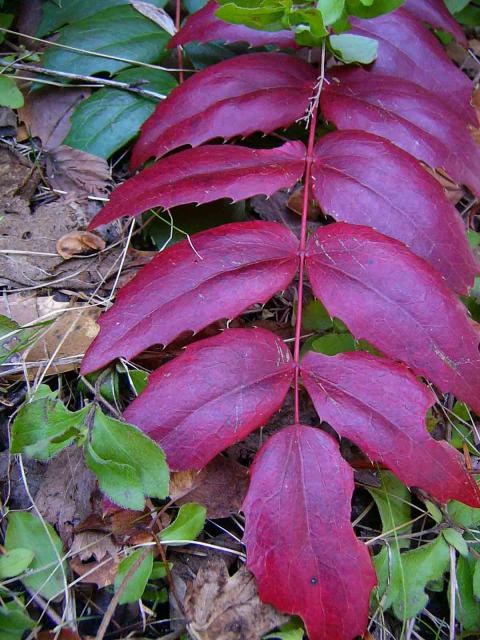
column 465, row 517
column 117, row 32
column 434, row 511
column 419, row 567
column 138, row 379
column 187, row 525
column 467, row 611
column 110, row 118
column 194, row 5
column 44, row 426
column 476, row 579
column 266, row 15
column 331, row 10
column 315, row 317
column 28, row 532
column 15, row 562
column 469, row 17
column 138, row 581
column 333, row 343
column 376, row 8
column 351, row 48
column 10, row 96
column 454, row 6
column 56, row 14
column 14, row 338
column 208, row 53
column 159, row 570
column 455, row 539
column 119, row 449
column 6, row 20
column 14, row 621
column 308, row 26
column 292, row 630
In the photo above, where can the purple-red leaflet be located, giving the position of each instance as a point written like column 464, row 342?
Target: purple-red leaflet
column 228, row 269
column 404, row 45
column 204, row 26
column 253, row 92
column 356, row 178
column 213, row 395
column 380, row 406
column 205, row 174
column 408, row 115
column 300, row 542
column 436, row 14
column 395, row 300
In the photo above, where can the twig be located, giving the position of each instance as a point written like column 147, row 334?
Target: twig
column 90, row 79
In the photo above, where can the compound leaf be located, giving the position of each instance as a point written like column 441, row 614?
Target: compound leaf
column 298, row 517
column 188, row 286
column 230, row 385
column 253, row 92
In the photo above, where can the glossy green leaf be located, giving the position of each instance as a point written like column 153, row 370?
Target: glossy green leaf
column 454, row 6
column 128, row 464
column 315, row 317
column 15, row 562
column 44, row 426
column 455, row 539
column 56, row 14
column 308, row 27
column 10, row 95
column 376, row 8
column 14, row 621
column 266, row 15
column 28, row 532
column 138, row 580
column 116, row 32
column 351, row 48
column 187, row 525
column 333, row 343
column 110, row 118
column 469, row 17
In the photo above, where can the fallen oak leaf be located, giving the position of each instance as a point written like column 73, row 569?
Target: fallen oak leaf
column 78, row 172
column 77, row 242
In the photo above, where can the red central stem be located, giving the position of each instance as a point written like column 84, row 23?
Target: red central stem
column 303, row 241
column 179, row 48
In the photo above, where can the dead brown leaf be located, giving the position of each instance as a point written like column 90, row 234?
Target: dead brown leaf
column 224, row 608
column 8, row 119
column 95, row 558
column 77, row 242
column 295, row 204
column 77, row 172
column 18, row 177
column 453, row 191
column 64, row 495
column 46, row 114
column 276, row 209
column 66, row 339
column 221, row 487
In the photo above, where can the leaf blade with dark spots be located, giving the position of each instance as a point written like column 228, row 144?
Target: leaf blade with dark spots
column 253, row 92
column 380, row 406
column 304, row 530
column 355, row 179
column 213, row 395
column 188, row 286
column 397, row 302
column 205, row 174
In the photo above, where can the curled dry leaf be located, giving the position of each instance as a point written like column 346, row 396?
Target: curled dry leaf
column 76, row 242
column 228, row 608
column 94, row 558
column 77, row 172
column 156, row 14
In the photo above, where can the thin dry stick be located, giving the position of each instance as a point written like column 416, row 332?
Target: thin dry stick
column 118, row 594
column 126, row 86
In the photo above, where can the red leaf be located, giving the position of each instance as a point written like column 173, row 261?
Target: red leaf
column 204, row 26
column 300, row 543
column 409, row 116
column 399, row 303
column 381, row 407
column 214, row 395
column 404, row 45
column 232, row 267
column 206, row 174
column 254, row 92
column 356, row 178
column 435, row 13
